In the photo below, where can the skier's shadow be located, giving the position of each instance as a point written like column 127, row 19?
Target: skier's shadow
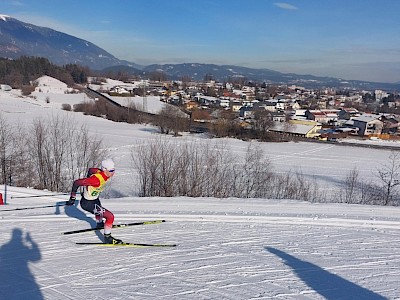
column 328, row 285
column 16, row 280
column 75, row 212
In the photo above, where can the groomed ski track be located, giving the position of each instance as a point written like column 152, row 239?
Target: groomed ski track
column 271, row 220
column 227, row 249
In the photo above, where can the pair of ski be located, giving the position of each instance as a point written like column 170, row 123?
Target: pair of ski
column 136, row 245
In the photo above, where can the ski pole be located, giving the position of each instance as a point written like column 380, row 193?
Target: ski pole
column 34, row 207
column 33, row 196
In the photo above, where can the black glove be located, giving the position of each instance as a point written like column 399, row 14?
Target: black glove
column 71, row 201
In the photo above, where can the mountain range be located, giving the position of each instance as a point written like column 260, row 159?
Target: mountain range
column 18, row 38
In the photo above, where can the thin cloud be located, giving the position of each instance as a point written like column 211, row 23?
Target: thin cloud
column 17, row 3
column 284, row 5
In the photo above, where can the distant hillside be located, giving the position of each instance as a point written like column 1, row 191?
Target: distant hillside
column 18, row 38
column 122, row 69
column 198, row 72
column 22, row 39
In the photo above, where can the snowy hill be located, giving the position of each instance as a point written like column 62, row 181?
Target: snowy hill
column 47, row 84
column 226, row 248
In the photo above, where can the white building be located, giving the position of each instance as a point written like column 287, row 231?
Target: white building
column 5, row 87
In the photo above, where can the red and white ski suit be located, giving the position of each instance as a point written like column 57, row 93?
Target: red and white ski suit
column 93, row 185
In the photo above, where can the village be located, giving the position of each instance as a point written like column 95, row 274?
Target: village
column 325, row 114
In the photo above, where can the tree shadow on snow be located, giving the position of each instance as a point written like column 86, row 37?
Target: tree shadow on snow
column 74, row 212
column 323, row 282
column 16, row 280
column 112, row 193
column 150, row 129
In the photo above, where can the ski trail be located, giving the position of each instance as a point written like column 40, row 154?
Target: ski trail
column 272, row 220
column 297, row 154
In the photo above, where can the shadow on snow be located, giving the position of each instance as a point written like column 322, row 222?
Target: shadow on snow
column 328, row 285
column 74, row 212
column 16, row 280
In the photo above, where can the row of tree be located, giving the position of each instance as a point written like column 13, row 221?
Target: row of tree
column 210, row 169
column 172, row 120
column 47, row 154
column 24, row 70
column 51, row 153
column 382, row 191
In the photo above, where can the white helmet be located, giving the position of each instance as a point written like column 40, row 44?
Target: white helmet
column 107, row 164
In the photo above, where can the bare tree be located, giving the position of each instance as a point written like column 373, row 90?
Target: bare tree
column 37, row 145
column 389, row 176
column 146, row 160
column 83, row 151
column 217, row 163
column 60, row 152
column 210, row 170
column 172, row 119
column 224, row 125
column 350, row 186
column 197, row 170
column 6, row 146
column 192, row 169
column 23, row 171
column 167, row 169
column 254, row 174
column 263, row 122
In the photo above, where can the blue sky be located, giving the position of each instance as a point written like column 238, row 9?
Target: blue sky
column 350, row 39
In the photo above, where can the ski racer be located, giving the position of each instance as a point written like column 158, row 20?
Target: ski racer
column 92, row 185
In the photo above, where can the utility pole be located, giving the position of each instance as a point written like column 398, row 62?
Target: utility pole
column 144, row 96
column 128, row 105
column 4, row 171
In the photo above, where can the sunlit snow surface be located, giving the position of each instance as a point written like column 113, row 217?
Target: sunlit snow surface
column 226, row 248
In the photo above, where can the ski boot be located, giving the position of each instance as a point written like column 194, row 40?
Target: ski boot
column 108, row 239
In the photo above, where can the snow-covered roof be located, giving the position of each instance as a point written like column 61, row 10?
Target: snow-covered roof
column 294, row 128
column 366, row 118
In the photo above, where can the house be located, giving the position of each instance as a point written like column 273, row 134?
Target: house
column 246, row 112
column 391, row 124
column 300, row 113
column 223, row 102
column 5, row 87
column 368, row 124
column 191, row 105
column 295, row 105
column 120, row 90
column 348, row 113
column 267, row 105
column 278, row 116
column 235, row 106
column 302, row 129
column 207, row 100
column 281, row 105
column 324, row 116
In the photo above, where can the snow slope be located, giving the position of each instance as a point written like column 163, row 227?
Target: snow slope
column 328, row 163
column 227, row 248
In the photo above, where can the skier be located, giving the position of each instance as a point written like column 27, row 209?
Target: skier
column 93, row 185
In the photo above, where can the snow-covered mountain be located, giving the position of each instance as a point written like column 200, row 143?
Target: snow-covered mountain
column 19, row 38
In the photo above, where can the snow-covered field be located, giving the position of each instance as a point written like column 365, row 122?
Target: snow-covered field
column 226, row 248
